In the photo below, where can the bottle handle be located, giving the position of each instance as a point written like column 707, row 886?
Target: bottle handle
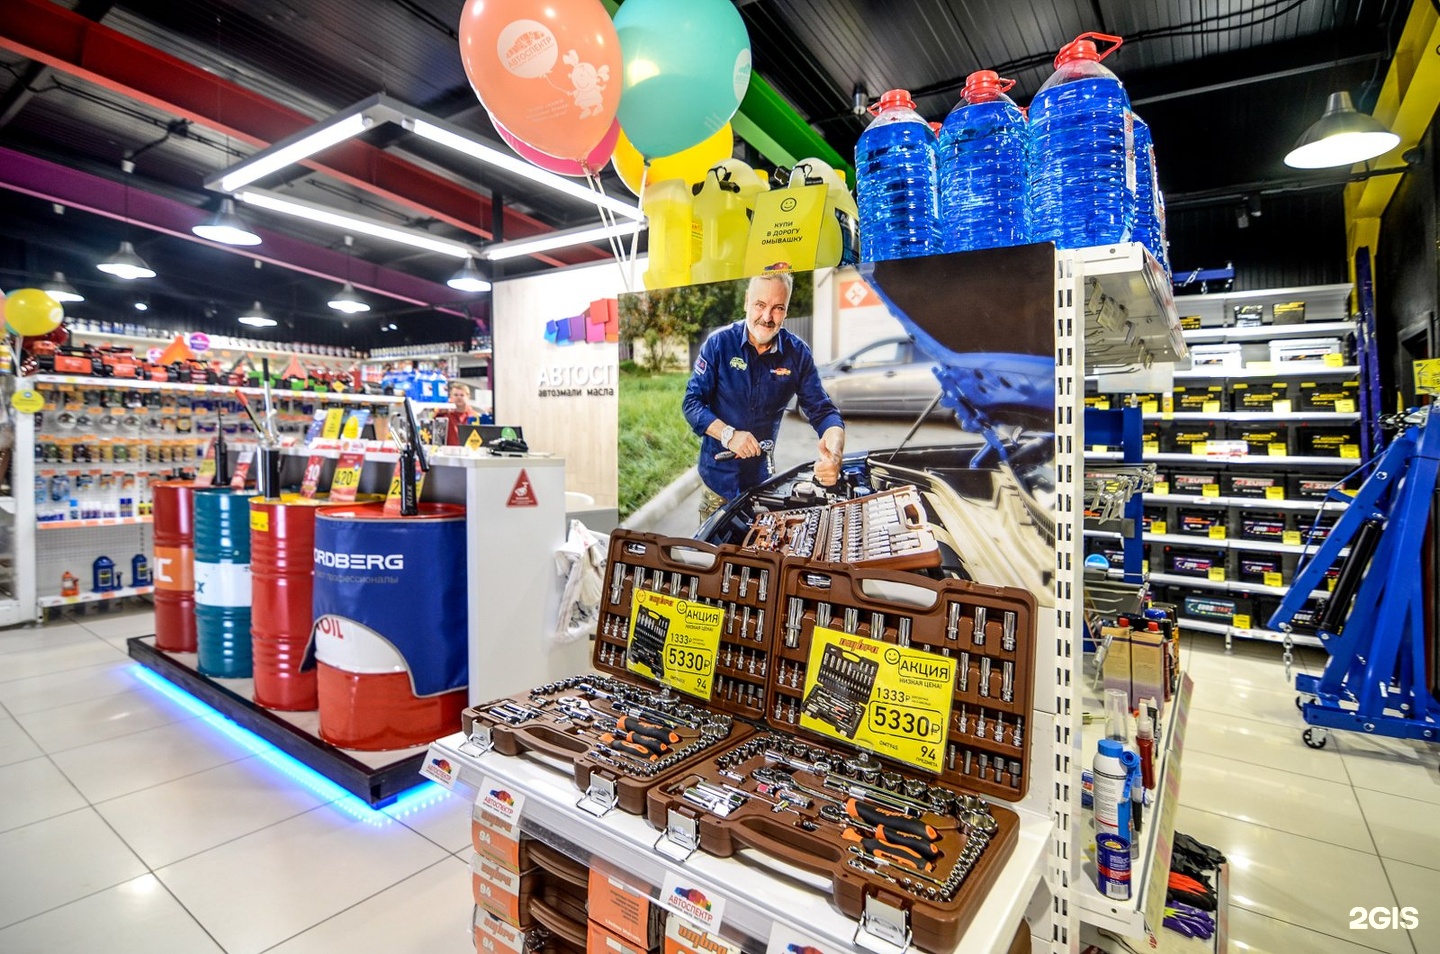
column 1006, row 85
column 1103, row 38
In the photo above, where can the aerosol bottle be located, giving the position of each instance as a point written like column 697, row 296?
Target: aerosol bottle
column 1112, row 801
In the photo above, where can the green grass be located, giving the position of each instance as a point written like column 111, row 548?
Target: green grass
column 656, row 445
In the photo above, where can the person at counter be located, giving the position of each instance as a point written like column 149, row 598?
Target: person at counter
column 462, row 413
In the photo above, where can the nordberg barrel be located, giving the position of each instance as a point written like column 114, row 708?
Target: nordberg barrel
column 390, row 634
column 282, row 565
column 174, row 566
column 222, row 582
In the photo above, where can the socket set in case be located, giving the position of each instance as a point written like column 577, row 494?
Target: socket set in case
column 886, row 529
column 623, row 733
column 920, row 841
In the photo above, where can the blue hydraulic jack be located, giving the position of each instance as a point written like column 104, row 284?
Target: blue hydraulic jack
column 1373, row 624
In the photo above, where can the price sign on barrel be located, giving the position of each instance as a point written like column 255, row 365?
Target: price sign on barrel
column 346, row 482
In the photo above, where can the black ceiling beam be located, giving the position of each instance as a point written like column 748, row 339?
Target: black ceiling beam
column 27, row 85
column 1251, row 66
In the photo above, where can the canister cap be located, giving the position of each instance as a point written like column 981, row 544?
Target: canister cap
column 1111, row 748
column 1083, row 48
column 894, row 98
column 984, row 86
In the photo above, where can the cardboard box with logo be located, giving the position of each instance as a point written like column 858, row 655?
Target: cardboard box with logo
column 502, row 892
column 625, row 914
column 682, row 937
column 498, row 840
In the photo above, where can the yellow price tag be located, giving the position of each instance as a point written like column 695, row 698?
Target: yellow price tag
column 1330, row 582
column 1217, row 574
column 1103, row 404
column 1159, row 527
column 1333, row 360
column 1345, row 406
column 259, row 521
column 1210, row 490
column 1241, row 621
column 674, row 641
column 1274, row 579
column 1274, row 493
column 1150, row 447
column 1167, row 404
column 1149, row 407
column 1278, row 450
column 906, row 714
column 1098, row 448
column 1162, row 488
column 1259, row 366
column 27, row 401
column 1291, row 538
column 334, row 418
column 1349, row 451
column 1200, row 448
column 1281, row 407
column 1217, row 533
column 1210, row 407
column 348, row 477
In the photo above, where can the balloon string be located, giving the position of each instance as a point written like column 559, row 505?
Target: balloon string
column 608, row 219
column 635, row 239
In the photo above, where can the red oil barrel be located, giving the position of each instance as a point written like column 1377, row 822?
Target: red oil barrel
column 391, row 625
column 282, row 565
column 174, row 564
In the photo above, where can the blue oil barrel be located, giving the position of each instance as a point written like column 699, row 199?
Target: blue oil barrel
column 390, row 637
column 222, row 582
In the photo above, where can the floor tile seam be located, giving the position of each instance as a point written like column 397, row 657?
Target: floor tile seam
column 91, row 894
column 38, row 821
column 114, row 738
column 1283, row 831
column 1313, row 929
column 1298, row 775
column 1199, row 707
column 221, row 844
column 1389, row 881
column 5, row 680
column 145, row 788
column 416, row 874
column 62, row 705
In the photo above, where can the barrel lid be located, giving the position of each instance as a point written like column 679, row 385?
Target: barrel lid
column 376, row 511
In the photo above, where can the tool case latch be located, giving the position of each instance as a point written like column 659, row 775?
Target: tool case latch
column 481, row 739
column 600, row 797
column 681, row 837
column 884, row 928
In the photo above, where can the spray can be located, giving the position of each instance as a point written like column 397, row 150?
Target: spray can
column 1112, row 801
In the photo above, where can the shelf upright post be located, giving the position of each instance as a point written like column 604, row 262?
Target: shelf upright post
column 1367, row 349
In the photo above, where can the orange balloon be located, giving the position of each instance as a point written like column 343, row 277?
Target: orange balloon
column 549, row 70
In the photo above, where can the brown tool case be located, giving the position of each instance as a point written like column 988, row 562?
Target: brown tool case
column 743, row 583
column 812, row 788
column 887, row 529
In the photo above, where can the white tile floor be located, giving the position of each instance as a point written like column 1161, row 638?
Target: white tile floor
column 130, row 823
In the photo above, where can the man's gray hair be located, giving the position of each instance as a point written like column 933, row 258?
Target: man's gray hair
column 785, row 277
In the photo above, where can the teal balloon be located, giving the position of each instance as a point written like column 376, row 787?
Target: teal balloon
column 686, row 66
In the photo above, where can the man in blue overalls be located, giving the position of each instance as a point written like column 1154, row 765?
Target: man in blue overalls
column 740, row 387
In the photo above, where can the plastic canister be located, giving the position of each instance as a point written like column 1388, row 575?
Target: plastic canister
column 669, row 207
column 282, row 571
column 1082, row 151
column 983, row 168
column 391, row 638
column 840, row 227
column 222, row 583
column 1112, row 800
column 724, row 204
column 896, row 182
column 174, row 525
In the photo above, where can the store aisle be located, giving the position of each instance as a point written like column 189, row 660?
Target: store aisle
column 132, row 820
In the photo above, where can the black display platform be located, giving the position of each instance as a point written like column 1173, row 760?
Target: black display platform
column 378, row 785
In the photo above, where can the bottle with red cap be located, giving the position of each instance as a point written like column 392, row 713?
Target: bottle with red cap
column 983, row 168
column 895, row 182
column 1082, row 151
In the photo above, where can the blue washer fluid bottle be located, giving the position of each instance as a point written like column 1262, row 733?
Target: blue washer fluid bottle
column 984, row 193
column 1082, row 152
column 1148, row 217
column 895, row 182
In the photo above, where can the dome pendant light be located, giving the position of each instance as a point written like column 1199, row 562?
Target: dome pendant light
column 61, row 290
column 1341, row 137
column 257, row 317
column 468, row 279
column 126, row 264
column 348, row 300
column 226, row 227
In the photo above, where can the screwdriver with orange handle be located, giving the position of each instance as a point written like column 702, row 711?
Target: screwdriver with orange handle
column 634, row 726
column 926, row 850
column 886, row 851
column 875, row 817
column 642, row 748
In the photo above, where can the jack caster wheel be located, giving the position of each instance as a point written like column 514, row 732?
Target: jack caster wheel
column 1315, row 739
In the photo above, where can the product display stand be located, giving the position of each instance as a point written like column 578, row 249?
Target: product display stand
column 1150, row 867
column 756, row 899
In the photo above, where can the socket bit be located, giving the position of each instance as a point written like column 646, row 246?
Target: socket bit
column 984, row 764
column 617, row 582
column 730, row 619
column 999, row 730
column 963, row 672
column 852, row 620
column 675, row 584
column 964, row 719
column 725, row 580
column 968, row 759
column 904, row 637
column 952, row 622
column 764, row 584
column 1007, row 685
column 985, row 675
column 977, row 635
column 950, row 757
column 745, row 621
column 744, row 582
column 1018, row 736
column 1007, row 636
column 877, row 625
column 760, row 625
column 1014, row 774
column 980, row 724
column 822, row 614
column 694, row 587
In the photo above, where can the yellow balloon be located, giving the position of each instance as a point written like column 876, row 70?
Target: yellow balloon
column 689, row 165
column 30, row 312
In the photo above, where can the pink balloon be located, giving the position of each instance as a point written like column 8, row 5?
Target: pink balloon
column 564, row 167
